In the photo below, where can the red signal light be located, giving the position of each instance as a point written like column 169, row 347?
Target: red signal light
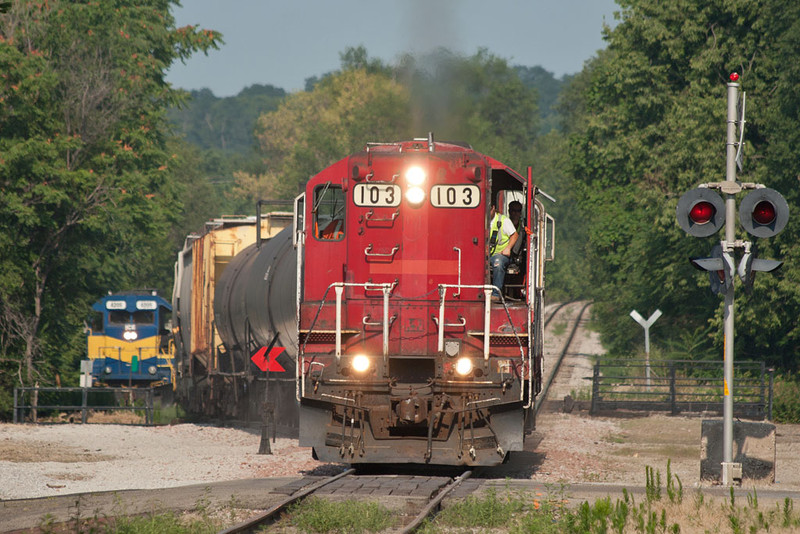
column 702, row 212
column 764, row 212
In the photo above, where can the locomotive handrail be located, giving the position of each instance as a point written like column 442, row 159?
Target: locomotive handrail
column 458, row 250
column 372, row 174
column 338, row 288
column 380, row 219
column 381, row 254
column 366, row 322
column 487, row 314
column 462, row 321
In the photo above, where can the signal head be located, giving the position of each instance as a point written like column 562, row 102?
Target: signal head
column 720, row 269
column 701, row 212
column 763, row 212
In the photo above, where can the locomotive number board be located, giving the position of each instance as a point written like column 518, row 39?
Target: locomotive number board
column 442, row 196
column 455, row 196
column 377, row 195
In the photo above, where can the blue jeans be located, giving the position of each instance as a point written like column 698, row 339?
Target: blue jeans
column 498, row 263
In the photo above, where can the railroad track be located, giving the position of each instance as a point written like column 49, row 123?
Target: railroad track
column 553, row 376
column 429, row 491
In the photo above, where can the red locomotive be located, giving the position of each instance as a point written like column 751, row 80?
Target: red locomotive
column 403, row 357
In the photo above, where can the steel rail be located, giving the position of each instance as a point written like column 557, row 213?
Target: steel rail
column 263, row 518
column 433, row 505
column 546, row 387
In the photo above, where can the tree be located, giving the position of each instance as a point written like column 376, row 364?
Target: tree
column 311, row 130
column 225, row 124
column 548, row 88
column 649, row 124
column 85, row 190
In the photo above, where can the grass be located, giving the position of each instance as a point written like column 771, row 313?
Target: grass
column 581, row 394
column 201, row 519
column 559, row 328
column 353, row 517
column 663, row 509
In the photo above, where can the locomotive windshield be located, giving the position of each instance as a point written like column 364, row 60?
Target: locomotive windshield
column 328, row 210
column 124, row 317
column 144, row 317
column 119, row 317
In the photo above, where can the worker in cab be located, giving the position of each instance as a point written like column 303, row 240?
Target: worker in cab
column 502, row 237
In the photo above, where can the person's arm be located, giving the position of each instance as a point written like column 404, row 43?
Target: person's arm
column 511, row 240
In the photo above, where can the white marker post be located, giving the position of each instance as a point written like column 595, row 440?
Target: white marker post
column 646, row 324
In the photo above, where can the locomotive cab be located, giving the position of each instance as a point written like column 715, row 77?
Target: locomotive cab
column 129, row 342
column 403, row 356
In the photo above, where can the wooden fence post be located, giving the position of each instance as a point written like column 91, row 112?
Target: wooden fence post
column 673, row 395
column 595, row 388
column 84, row 405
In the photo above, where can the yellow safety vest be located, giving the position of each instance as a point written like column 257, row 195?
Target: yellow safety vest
column 502, row 239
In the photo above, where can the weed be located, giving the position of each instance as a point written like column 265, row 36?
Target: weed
column 167, row 523
column 752, row 499
column 489, row 512
column 788, row 507
column 675, row 496
column 559, row 329
column 321, row 515
column 652, row 484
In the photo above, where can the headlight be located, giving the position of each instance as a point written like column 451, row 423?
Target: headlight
column 415, row 195
column 415, row 175
column 360, row 363
column 107, row 370
column 152, row 369
column 130, row 335
column 464, row 366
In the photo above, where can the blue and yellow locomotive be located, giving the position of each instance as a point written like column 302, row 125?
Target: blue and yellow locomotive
column 130, row 342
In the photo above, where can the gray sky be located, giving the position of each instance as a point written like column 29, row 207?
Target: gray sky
column 284, row 42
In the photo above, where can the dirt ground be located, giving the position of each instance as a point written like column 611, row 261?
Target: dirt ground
column 577, row 448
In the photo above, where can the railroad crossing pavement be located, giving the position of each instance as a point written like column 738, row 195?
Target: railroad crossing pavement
column 254, row 493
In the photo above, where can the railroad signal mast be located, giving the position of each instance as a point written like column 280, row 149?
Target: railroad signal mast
column 702, row 212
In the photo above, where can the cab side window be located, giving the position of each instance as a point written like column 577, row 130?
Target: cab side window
column 328, row 212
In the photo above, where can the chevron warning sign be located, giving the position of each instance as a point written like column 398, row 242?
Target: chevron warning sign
column 268, row 362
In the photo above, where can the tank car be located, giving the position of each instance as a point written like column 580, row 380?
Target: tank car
column 402, row 355
column 129, row 340
column 222, row 363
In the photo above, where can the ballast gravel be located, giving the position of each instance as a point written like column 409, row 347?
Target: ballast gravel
column 59, row 459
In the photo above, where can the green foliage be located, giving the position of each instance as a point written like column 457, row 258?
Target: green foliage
column 85, row 189
column 311, row 130
column 321, row 515
column 490, row 511
column 227, row 123
column 646, row 120
column 653, row 484
column 548, row 87
column 674, row 492
column 168, row 523
column 786, row 400
column 510, row 512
